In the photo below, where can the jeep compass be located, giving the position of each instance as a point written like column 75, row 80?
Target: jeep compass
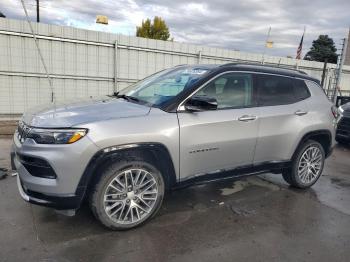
column 182, row 126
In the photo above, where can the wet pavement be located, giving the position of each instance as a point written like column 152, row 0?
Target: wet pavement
column 255, row 219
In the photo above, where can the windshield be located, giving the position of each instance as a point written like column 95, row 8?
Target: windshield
column 162, row 86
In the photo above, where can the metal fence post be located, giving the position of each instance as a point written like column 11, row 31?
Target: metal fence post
column 199, row 57
column 324, row 72
column 115, row 88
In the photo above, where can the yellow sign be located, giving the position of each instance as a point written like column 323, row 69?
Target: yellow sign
column 102, row 19
column 269, row 44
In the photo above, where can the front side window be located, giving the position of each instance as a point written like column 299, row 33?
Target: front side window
column 275, row 90
column 165, row 85
column 231, row 90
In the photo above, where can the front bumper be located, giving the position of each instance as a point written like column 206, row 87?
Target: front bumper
column 59, row 203
column 343, row 129
column 65, row 191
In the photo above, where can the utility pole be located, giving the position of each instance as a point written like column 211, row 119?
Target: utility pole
column 339, row 69
column 324, row 72
column 37, row 12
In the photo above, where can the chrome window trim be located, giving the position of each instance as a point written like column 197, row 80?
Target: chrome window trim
column 181, row 107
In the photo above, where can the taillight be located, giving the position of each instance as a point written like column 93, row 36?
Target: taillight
column 334, row 111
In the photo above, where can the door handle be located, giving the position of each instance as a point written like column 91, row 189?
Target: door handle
column 300, row 113
column 246, row 118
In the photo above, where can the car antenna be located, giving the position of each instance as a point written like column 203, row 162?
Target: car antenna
column 39, row 51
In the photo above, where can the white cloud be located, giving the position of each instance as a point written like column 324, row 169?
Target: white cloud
column 240, row 25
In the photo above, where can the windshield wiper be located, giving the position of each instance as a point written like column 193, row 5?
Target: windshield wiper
column 128, row 98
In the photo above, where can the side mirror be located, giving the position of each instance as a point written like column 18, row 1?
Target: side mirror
column 201, row 103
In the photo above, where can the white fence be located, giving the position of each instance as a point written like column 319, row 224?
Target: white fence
column 85, row 63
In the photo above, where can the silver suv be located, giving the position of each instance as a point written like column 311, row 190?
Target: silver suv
column 182, row 126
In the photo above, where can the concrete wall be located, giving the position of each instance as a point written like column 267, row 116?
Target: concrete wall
column 85, row 63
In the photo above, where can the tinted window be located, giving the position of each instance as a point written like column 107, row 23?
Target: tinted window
column 301, row 91
column 275, row 90
column 232, row 90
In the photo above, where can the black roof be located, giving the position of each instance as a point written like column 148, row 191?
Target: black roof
column 260, row 68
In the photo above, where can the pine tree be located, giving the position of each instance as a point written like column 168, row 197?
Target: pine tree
column 321, row 49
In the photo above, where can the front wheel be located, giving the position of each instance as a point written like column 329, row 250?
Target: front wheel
column 128, row 194
column 307, row 165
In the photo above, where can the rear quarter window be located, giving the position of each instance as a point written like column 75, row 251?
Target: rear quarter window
column 301, row 91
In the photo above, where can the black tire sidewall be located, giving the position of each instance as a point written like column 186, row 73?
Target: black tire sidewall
column 108, row 175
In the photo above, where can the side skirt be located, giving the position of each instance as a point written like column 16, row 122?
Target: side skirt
column 236, row 173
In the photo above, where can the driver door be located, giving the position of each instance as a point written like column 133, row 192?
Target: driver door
column 224, row 138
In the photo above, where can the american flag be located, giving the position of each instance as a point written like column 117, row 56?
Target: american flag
column 300, row 48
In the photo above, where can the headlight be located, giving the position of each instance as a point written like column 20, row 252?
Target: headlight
column 56, row 136
column 340, row 110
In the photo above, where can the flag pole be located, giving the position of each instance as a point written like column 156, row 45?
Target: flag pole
column 265, row 44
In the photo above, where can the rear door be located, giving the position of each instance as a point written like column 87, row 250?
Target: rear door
column 224, row 138
column 283, row 111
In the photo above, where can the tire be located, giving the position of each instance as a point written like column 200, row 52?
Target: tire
column 135, row 207
column 307, row 165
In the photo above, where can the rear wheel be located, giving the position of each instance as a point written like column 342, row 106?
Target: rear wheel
column 128, row 194
column 307, row 165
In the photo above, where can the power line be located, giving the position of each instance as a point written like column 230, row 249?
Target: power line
column 39, row 51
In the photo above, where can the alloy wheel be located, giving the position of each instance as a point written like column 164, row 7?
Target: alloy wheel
column 131, row 196
column 310, row 165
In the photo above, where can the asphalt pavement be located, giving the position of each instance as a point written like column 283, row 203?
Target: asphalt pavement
column 255, row 219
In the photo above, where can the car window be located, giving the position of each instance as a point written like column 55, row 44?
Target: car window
column 232, row 90
column 164, row 85
column 275, row 90
column 301, row 91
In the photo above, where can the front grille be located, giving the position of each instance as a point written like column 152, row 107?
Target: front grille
column 344, row 124
column 36, row 166
column 343, row 128
column 346, row 113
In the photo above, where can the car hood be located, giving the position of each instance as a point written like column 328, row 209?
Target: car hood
column 346, row 107
column 82, row 111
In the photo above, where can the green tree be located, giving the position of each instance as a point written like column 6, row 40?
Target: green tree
column 323, row 47
column 156, row 30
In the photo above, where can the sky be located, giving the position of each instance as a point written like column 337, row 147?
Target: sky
column 237, row 25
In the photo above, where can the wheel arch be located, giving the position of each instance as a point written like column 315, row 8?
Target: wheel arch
column 324, row 137
column 155, row 152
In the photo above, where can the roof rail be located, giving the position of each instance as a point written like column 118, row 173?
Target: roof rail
column 259, row 64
